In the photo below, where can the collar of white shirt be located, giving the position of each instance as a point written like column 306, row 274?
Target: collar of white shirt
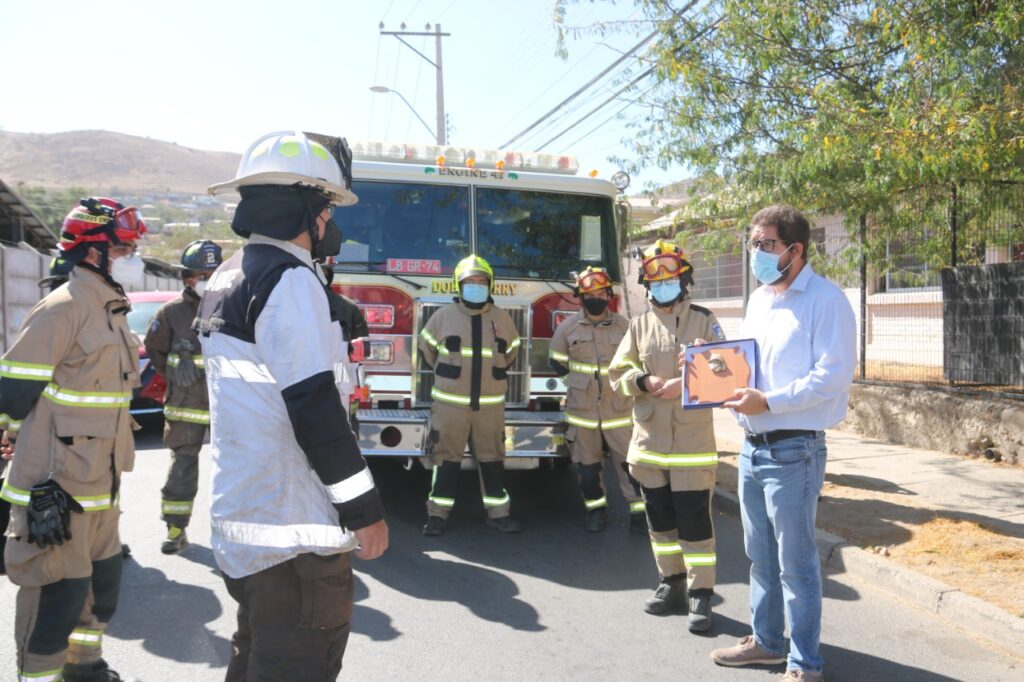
column 302, row 254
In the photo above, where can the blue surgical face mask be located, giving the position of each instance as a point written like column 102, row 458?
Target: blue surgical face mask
column 475, row 293
column 765, row 266
column 666, row 292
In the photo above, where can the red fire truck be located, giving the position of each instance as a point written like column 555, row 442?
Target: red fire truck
column 422, row 209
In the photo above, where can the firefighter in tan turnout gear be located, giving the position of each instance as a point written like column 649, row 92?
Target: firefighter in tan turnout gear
column 175, row 353
column 672, row 453
column 65, row 388
column 599, row 420
column 470, row 344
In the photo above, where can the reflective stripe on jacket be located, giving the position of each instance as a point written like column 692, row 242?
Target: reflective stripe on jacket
column 470, row 351
column 586, row 350
column 65, row 384
column 665, row 436
column 171, row 325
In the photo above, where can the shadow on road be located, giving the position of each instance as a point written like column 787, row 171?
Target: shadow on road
column 169, row 617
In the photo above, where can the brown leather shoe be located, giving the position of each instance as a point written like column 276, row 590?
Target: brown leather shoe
column 795, row 675
column 746, row 652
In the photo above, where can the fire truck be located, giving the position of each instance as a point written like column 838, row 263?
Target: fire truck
column 421, row 210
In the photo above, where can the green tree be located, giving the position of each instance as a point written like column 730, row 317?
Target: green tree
column 868, row 108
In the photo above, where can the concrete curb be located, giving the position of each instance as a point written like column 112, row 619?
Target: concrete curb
column 975, row 616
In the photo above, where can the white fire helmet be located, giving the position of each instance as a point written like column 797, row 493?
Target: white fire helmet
column 290, row 158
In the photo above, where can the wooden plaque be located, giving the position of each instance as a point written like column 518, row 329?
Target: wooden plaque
column 715, row 370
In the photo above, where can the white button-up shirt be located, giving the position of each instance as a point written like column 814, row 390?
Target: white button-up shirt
column 807, row 352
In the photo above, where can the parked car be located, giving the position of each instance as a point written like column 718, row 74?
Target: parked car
column 148, row 399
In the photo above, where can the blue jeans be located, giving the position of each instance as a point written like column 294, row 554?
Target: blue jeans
column 778, row 488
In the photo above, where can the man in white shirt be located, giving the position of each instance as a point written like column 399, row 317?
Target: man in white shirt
column 806, row 336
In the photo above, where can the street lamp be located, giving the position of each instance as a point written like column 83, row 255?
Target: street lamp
column 382, row 89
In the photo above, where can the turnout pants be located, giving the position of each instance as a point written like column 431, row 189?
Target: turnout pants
column 679, row 519
column 67, row 594
column 293, row 620
column 587, row 447
column 452, row 427
column 185, row 440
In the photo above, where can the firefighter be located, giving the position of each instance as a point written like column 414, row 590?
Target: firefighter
column 470, row 344
column 175, row 353
column 672, row 452
column 65, row 388
column 347, row 314
column 598, row 419
column 292, row 497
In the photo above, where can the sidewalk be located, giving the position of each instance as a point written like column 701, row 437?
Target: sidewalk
column 943, row 532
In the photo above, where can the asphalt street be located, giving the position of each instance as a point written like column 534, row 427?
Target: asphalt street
column 553, row 603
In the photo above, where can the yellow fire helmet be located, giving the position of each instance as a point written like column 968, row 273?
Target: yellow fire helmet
column 473, row 265
column 664, row 259
column 592, row 279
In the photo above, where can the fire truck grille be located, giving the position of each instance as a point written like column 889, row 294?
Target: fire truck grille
column 517, row 394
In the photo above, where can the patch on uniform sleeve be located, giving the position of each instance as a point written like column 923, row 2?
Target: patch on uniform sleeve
column 154, row 325
column 717, row 330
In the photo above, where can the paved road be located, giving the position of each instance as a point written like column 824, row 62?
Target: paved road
column 553, row 603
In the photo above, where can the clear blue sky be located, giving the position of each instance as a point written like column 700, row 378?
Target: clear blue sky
column 217, row 74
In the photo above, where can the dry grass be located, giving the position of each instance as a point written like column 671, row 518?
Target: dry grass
column 963, row 554
column 971, row 557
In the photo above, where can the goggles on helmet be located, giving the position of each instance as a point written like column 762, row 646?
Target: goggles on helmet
column 593, row 280
column 128, row 224
column 663, row 266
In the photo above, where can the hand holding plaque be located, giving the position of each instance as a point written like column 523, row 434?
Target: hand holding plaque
column 715, row 370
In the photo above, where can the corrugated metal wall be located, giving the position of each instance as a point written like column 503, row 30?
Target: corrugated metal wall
column 21, row 268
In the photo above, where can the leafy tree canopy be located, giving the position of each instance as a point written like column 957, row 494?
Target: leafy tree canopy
column 859, row 107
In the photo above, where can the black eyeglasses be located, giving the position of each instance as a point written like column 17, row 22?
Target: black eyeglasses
column 765, row 244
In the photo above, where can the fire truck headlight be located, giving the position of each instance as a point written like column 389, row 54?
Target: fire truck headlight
column 381, row 352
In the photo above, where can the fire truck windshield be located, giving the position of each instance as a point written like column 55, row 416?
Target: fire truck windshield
column 524, row 234
column 544, row 235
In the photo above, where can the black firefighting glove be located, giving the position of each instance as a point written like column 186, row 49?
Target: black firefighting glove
column 453, row 344
column 502, row 345
column 186, row 373
column 49, row 514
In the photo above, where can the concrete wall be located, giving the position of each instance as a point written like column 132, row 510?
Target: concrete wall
column 936, row 420
column 21, row 268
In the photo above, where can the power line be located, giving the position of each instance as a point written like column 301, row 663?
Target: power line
column 600, row 125
column 590, row 113
column 589, row 83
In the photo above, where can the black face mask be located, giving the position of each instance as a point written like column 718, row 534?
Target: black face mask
column 330, row 243
column 595, row 306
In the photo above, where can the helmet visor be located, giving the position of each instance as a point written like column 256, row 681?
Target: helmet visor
column 592, row 281
column 128, row 224
column 662, row 266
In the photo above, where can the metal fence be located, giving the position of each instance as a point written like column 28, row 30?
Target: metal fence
column 894, row 283
column 21, row 268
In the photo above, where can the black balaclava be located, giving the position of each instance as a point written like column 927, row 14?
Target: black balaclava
column 276, row 211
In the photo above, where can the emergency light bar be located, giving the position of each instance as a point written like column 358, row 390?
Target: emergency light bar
column 464, row 157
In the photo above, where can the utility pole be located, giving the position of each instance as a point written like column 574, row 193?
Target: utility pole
column 436, row 63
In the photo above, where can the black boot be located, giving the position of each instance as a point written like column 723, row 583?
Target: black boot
column 669, row 595
column 638, row 523
column 506, row 524
column 597, row 519
column 434, row 525
column 699, row 619
column 90, row 672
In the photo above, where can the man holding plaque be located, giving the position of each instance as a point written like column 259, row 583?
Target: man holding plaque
column 672, row 453
column 805, row 331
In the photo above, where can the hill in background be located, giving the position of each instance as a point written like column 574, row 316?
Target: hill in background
column 110, row 163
